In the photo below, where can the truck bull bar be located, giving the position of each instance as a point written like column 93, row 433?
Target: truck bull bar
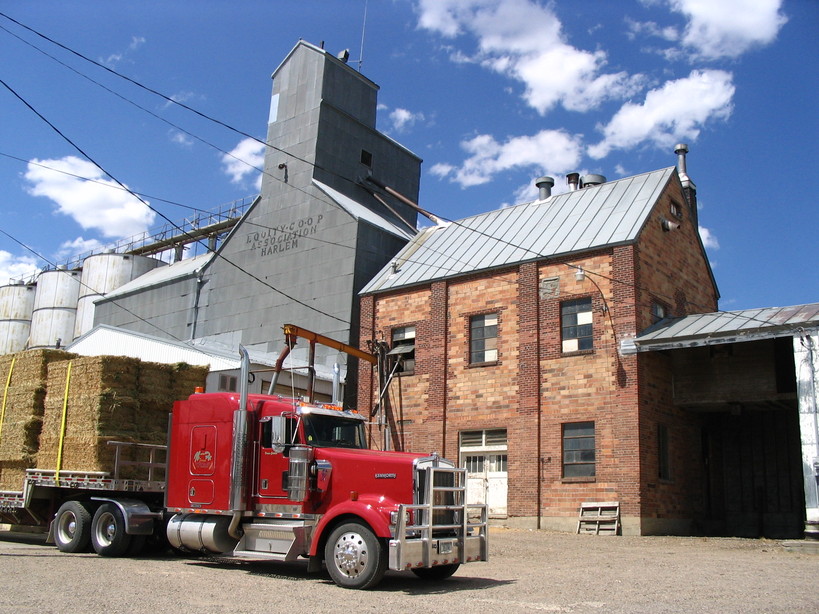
column 444, row 529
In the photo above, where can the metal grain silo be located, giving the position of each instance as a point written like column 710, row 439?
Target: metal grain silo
column 16, row 305
column 55, row 308
column 103, row 273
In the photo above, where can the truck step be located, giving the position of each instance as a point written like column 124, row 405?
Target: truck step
column 284, row 541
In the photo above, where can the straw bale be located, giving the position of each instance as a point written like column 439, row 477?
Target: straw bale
column 24, row 400
column 12, row 474
column 20, row 438
column 82, row 452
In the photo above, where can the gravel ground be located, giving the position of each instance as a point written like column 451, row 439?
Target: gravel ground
column 528, row 571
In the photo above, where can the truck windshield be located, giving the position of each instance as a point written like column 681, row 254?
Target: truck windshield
column 333, row 431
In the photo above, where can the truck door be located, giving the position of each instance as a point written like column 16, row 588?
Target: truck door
column 273, row 462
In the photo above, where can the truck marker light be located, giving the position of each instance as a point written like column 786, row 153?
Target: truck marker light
column 353, row 495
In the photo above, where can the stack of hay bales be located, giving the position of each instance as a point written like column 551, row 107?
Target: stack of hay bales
column 108, row 398
column 23, row 380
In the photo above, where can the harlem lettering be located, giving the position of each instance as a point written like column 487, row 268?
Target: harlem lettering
column 282, row 237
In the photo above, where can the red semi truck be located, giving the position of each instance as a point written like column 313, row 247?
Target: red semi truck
column 270, row 477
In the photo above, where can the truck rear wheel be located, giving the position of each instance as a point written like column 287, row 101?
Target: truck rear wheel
column 355, row 557
column 439, row 572
column 72, row 527
column 108, row 534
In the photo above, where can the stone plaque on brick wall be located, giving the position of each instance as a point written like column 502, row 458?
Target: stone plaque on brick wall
column 550, row 288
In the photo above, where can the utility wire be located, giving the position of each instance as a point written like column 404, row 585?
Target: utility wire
column 171, row 100
column 163, row 216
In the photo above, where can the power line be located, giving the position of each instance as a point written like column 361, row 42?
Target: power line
column 163, row 216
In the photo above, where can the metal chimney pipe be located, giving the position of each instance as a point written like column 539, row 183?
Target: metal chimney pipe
column 544, row 185
column 573, row 179
column 681, row 149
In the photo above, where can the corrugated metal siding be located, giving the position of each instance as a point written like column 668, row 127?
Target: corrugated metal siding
column 593, row 217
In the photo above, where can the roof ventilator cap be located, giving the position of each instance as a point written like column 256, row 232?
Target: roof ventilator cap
column 587, row 181
column 544, row 185
column 573, row 179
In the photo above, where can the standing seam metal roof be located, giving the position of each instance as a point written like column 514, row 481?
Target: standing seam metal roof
column 727, row 327
column 608, row 214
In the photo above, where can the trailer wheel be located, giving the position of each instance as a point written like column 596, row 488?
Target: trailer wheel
column 439, row 572
column 108, row 534
column 355, row 557
column 72, row 527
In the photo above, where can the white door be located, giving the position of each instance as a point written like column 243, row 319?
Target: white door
column 487, row 481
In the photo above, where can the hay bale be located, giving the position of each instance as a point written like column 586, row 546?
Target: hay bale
column 24, row 401
column 101, row 405
column 12, row 474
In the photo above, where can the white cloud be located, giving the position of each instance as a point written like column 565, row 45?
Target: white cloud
column 402, row 119
column 180, row 138
column 246, row 159
column 551, row 150
column 16, row 267
column 523, row 40
column 728, row 28
column 676, row 111
column 708, row 238
column 115, row 58
column 99, row 205
column 70, row 249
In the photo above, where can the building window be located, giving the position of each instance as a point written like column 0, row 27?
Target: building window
column 366, row 158
column 658, row 312
column 403, row 349
column 578, row 450
column 483, row 338
column 676, row 210
column 576, row 323
column 663, row 452
column 227, row 383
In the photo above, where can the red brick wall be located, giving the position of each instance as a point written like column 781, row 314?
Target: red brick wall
column 534, row 388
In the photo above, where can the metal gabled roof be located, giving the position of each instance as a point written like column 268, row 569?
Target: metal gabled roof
column 608, row 214
column 360, row 212
column 725, row 327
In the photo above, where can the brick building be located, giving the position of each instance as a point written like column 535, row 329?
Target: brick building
column 504, row 331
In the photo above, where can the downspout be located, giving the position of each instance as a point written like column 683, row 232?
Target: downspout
column 446, row 363
column 539, row 405
column 238, row 489
column 197, row 291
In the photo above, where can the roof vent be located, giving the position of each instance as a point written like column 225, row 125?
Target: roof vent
column 573, row 179
column 545, row 185
column 590, row 180
column 681, row 149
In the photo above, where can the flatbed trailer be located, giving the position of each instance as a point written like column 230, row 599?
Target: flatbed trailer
column 45, row 491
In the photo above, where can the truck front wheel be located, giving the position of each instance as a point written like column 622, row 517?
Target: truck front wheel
column 108, row 534
column 72, row 527
column 355, row 557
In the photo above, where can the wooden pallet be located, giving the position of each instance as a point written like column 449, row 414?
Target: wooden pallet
column 599, row 518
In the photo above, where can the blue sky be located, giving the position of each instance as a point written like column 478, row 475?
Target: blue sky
column 490, row 94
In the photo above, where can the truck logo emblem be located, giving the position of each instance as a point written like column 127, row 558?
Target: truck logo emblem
column 385, row 476
column 203, row 460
